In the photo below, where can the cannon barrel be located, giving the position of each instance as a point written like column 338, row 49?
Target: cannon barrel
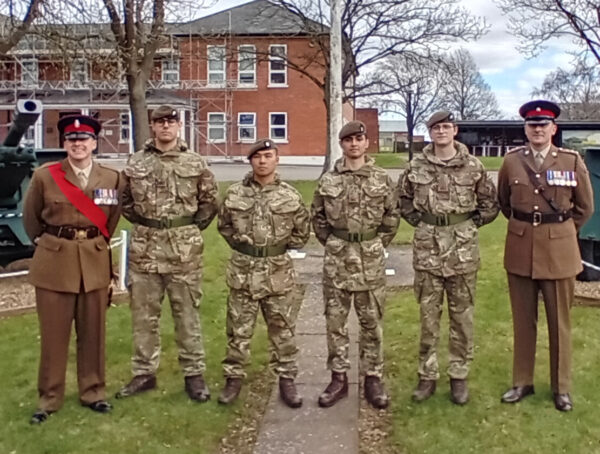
column 27, row 112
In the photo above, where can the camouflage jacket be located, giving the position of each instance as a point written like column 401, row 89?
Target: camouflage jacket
column 358, row 201
column 168, row 185
column 458, row 186
column 258, row 215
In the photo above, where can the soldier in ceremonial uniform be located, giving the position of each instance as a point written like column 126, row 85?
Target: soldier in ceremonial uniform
column 170, row 197
column 545, row 193
column 446, row 195
column 354, row 216
column 71, row 209
column 261, row 218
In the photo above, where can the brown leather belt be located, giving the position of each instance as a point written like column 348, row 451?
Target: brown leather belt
column 537, row 217
column 260, row 251
column 71, row 232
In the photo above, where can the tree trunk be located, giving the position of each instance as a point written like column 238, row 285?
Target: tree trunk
column 139, row 111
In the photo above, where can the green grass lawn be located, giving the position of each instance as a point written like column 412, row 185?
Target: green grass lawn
column 491, row 162
column 390, row 160
column 485, row 425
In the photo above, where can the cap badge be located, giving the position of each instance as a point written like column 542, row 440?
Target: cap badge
column 267, row 143
column 77, row 124
column 538, row 109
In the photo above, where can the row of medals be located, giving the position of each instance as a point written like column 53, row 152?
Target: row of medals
column 561, row 178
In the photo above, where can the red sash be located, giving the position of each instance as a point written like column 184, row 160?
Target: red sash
column 79, row 200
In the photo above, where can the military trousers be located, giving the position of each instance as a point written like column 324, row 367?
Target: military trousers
column 56, row 313
column 558, row 298
column 460, row 291
column 147, row 291
column 280, row 313
column 368, row 305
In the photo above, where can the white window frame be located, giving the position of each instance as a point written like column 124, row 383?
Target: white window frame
column 273, row 58
column 30, row 77
column 247, row 126
column 274, row 126
column 214, row 72
column 124, row 127
column 79, row 66
column 250, row 50
column 214, row 125
column 169, row 67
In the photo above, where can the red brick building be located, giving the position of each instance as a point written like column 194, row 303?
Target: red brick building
column 370, row 117
column 229, row 74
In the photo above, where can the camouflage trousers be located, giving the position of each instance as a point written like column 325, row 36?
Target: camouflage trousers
column 368, row 305
column 460, row 291
column 280, row 313
column 147, row 291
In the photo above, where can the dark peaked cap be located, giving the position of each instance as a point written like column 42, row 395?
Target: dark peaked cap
column 78, row 127
column 539, row 111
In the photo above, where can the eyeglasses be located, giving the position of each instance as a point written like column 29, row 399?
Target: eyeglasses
column 166, row 121
column 442, row 127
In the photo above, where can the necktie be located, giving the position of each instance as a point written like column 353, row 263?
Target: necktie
column 539, row 159
column 82, row 179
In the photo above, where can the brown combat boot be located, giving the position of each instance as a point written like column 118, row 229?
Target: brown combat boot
column 424, row 390
column 375, row 392
column 196, row 388
column 138, row 384
column 336, row 390
column 289, row 393
column 233, row 386
column 459, row 391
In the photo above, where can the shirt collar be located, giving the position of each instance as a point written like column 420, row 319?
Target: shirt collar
column 77, row 170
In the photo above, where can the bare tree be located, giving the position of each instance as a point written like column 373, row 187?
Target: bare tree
column 576, row 91
column 412, row 85
column 16, row 18
column 465, row 92
column 537, row 21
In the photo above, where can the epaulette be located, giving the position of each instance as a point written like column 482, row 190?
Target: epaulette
column 104, row 166
column 567, row 150
column 517, row 149
column 47, row 164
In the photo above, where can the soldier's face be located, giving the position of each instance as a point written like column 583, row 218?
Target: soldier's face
column 165, row 130
column 355, row 146
column 79, row 151
column 264, row 162
column 540, row 136
column 443, row 133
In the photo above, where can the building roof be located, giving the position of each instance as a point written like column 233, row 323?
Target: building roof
column 392, row 126
column 259, row 17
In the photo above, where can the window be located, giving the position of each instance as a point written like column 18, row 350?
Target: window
column 216, row 65
column 170, row 72
column 246, row 127
column 277, row 66
column 79, row 70
column 278, row 126
column 247, row 65
column 29, row 73
column 124, row 127
column 216, row 127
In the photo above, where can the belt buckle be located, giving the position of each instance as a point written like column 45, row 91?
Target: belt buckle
column 164, row 223
column 442, row 220
column 261, row 251
column 537, row 218
column 81, row 234
column 354, row 237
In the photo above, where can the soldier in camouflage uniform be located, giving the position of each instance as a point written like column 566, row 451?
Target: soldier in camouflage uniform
column 261, row 218
column 446, row 194
column 169, row 198
column 354, row 216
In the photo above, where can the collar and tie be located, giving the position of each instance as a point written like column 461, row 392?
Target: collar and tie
column 539, row 159
column 82, row 179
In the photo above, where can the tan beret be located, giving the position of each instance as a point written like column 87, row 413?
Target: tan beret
column 164, row 111
column 351, row 128
column 262, row 144
column 442, row 116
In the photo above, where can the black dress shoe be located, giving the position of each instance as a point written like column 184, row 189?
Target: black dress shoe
column 39, row 416
column 563, row 402
column 100, row 406
column 517, row 393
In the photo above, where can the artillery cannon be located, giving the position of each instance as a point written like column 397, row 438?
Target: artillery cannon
column 17, row 163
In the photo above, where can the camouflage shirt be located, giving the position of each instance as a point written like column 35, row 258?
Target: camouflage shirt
column 460, row 185
column 358, row 201
column 168, row 185
column 257, row 215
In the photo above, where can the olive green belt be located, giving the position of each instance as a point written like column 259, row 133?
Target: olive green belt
column 260, row 251
column 443, row 220
column 354, row 237
column 165, row 223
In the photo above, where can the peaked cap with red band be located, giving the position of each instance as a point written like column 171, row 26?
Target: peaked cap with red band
column 79, row 127
column 539, row 112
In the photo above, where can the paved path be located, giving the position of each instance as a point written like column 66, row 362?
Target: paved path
column 310, row 429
